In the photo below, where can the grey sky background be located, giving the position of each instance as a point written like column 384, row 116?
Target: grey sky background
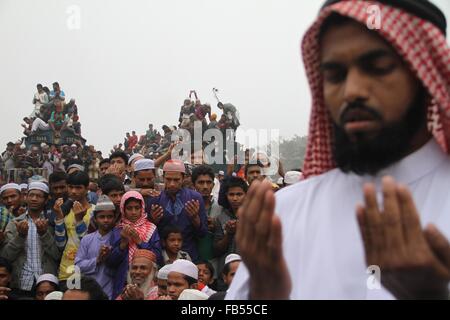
column 132, row 63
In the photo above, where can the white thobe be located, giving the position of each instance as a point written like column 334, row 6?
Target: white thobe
column 41, row 98
column 321, row 238
column 39, row 124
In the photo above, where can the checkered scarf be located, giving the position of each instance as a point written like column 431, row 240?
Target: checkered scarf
column 419, row 42
column 144, row 228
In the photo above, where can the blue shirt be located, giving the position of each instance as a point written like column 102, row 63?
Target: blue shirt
column 86, row 260
column 92, row 197
column 173, row 215
column 61, row 94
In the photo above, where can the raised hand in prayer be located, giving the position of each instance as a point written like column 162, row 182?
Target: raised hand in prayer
column 156, row 213
column 4, row 293
column 116, row 170
column 414, row 263
column 132, row 292
column 57, row 209
column 79, row 211
column 230, row 227
column 125, row 233
column 41, row 226
column 22, row 228
column 134, row 235
column 259, row 240
column 21, row 211
column 192, row 208
column 103, row 253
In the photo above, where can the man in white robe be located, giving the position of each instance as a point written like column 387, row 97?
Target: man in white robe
column 305, row 242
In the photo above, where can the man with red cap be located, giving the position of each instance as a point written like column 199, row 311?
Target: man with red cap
column 377, row 167
column 140, row 283
column 180, row 206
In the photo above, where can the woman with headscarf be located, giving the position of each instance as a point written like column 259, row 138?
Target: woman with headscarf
column 134, row 232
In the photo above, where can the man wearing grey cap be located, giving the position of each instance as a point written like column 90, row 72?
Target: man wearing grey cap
column 94, row 247
column 30, row 243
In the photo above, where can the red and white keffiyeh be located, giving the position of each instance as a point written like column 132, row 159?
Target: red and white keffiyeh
column 419, row 42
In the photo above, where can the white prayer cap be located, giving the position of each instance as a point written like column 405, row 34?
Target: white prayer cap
column 43, row 145
column 55, row 295
column 192, row 294
column 232, row 257
column 73, row 145
column 104, row 203
column 144, row 164
column 23, row 186
column 134, row 157
column 22, row 147
column 292, row 177
column 76, row 166
column 234, row 174
column 184, row 267
column 221, row 173
column 10, row 186
column 163, row 273
column 47, row 277
column 38, row 186
column 19, row 142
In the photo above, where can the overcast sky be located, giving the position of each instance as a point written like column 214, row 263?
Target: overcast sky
column 131, row 63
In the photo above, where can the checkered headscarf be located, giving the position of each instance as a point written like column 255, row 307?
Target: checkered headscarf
column 419, row 42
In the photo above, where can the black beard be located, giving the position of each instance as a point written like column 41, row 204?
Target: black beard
column 370, row 155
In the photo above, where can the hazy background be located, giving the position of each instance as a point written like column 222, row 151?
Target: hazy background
column 131, row 63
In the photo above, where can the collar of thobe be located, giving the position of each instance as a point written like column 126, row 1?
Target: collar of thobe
column 413, row 167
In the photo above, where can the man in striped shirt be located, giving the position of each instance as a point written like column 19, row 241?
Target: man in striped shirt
column 73, row 227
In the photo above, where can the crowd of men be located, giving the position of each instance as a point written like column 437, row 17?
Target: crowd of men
column 20, row 164
column 52, row 112
column 154, row 143
column 150, row 231
column 135, row 225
